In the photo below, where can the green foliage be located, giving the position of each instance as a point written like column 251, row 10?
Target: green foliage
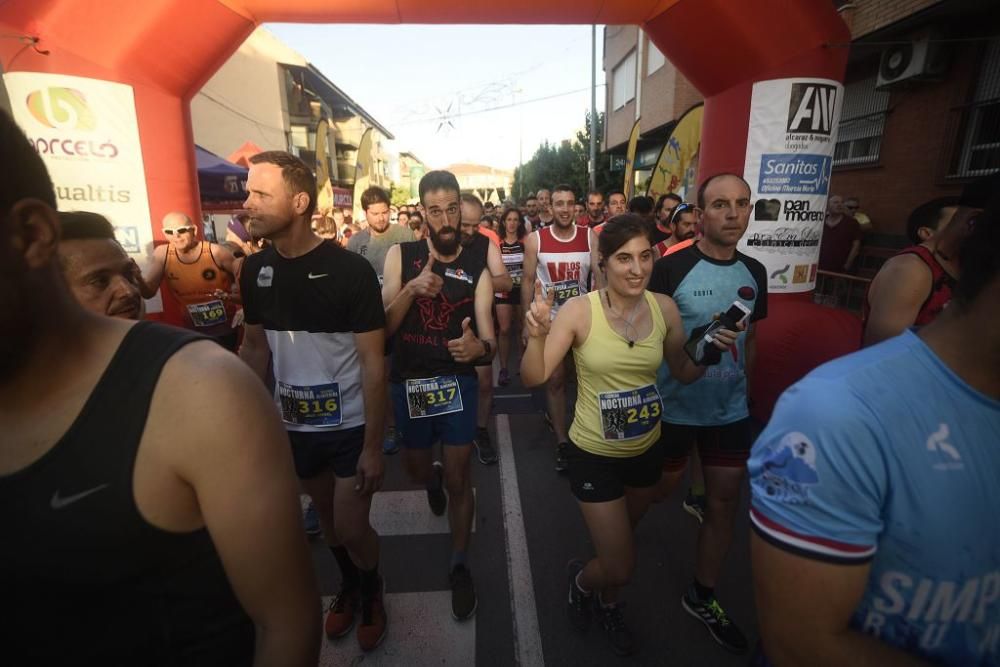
column 565, row 163
column 399, row 195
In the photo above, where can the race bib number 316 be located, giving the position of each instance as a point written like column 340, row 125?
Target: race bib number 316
column 431, row 397
column 316, row 405
column 629, row 414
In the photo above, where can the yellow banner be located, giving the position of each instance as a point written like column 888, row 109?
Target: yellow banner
column 362, row 171
column 633, row 139
column 677, row 168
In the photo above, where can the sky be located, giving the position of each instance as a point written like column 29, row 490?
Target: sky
column 437, row 87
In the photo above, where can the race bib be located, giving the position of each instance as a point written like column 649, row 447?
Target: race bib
column 515, row 275
column 316, row 405
column 431, row 397
column 207, row 314
column 629, row 414
column 566, row 290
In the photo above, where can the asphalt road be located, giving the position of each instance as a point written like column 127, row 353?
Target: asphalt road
column 527, row 527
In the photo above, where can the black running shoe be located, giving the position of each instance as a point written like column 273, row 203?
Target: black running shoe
column 435, row 490
column 562, row 463
column 485, row 450
column 614, row 628
column 463, row 593
column 719, row 625
column 579, row 604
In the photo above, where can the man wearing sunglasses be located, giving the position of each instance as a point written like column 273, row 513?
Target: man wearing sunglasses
column 200, row 275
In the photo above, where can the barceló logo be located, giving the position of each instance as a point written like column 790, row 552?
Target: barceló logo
column 61, row 109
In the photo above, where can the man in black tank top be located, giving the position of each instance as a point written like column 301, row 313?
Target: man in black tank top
column 433, row 292
column 130, row 526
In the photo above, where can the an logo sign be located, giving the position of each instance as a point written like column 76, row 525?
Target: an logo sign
column 746, row 293
column 61, row 109
column 794, row 173
column 810, row 109
column 786, row 238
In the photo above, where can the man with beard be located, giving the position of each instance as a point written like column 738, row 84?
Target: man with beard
column 102, row 277
column 562, row 256
column 664, row 210
column 200, row 275
column 483, row 242
column 314, row 309
column 683, row 227
column 372, row 244
column 433, row 291
column 594, row 215
column 531, row 212
column 130, row 522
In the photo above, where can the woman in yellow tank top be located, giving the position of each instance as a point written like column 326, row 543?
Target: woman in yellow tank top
column 619, row 337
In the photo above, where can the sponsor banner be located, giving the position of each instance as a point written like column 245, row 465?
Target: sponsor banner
column 792, row 136
column 87, row 134
column 633, row 139
column 677, row 167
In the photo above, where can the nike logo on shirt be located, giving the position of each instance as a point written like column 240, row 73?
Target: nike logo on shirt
column 58, row 502
column 314, row 276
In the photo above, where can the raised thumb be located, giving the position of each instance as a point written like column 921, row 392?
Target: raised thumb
column 429, row 264
column 466, row 324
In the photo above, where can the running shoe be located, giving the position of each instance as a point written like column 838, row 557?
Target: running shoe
column 371, row 630
column 579, row 604
column 562, row 463
column 485, row 450
column 340, row 616
column 614, row 627
column 436, row 497
column 719, row 625
column 463, row 593
column 389, row 445
column 310, row 520
column 504, row 378
column 695, row 505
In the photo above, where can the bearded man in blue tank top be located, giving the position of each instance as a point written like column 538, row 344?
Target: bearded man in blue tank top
column 140, row 538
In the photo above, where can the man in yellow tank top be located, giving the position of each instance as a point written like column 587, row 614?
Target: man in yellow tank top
column 200, row 275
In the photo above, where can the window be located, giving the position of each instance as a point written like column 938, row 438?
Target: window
column 862, row 121
column 623, row 82
column 654, row 59
column 979, row 151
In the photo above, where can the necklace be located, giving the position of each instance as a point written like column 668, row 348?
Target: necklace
column 628, row 322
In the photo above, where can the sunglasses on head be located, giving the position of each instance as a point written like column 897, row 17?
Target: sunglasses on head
column 179, row 230
column 680, row 208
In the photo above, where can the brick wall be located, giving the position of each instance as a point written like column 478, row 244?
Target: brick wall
column 870, row 15
column 916, row 144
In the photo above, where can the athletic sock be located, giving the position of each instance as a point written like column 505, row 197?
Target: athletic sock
column 369, row 582
column 702, row 593
column 457, row 558
column 348, row 570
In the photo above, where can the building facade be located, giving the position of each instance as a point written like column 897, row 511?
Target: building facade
column 920, row 115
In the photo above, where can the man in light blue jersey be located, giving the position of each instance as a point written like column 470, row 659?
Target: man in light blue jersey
column 876, row 488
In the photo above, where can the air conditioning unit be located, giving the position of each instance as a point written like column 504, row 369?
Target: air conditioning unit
column 921, row 58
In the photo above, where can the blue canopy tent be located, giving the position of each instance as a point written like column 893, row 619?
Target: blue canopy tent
column 223, row 185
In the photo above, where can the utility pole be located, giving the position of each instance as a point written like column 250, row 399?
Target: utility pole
column 593, row 107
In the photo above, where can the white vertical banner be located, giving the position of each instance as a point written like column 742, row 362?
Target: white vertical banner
column 87, row 134
column 790, row 146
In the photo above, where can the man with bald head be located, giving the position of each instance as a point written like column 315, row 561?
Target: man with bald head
column 200, row 275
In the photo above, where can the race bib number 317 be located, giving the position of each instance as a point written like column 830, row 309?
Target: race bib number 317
column 629, row 414
column 430, row 397
column 315, row 405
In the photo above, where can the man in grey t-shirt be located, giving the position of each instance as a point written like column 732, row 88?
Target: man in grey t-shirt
column 373, row 243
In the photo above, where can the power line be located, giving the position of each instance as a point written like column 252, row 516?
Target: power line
column 444, row 117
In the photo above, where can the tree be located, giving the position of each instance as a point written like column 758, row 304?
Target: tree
column 565, row 163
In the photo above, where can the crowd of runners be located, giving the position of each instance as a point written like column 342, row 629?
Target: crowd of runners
column 134, row 525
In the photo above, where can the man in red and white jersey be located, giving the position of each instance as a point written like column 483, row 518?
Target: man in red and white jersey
column 562, row 256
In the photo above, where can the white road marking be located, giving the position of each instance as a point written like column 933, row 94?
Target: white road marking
column 420, row 632
column 527, row 639
column 407, row 513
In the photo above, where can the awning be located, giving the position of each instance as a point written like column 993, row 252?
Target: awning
column 218, row 179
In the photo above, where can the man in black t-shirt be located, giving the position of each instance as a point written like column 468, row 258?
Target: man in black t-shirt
column 433, row 291
column 314, row 308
